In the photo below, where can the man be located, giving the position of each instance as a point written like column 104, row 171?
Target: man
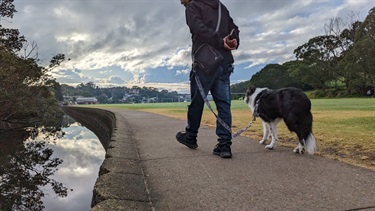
column 202, row 17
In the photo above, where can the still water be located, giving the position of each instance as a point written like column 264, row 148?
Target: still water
column 62, row 165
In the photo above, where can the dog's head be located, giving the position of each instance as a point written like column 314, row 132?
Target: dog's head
column 249, row 98
column 250, row 91
column 251, row 94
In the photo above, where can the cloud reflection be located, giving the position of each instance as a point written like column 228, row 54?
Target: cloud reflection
column 83, row 155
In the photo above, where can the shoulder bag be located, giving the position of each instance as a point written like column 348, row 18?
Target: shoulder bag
column 206, row 57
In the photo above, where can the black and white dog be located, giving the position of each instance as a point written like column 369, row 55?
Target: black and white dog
column 289, row 104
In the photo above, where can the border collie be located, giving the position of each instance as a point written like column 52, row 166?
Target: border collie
column 288, row 104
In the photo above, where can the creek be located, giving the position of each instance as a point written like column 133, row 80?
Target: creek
column 49, row 169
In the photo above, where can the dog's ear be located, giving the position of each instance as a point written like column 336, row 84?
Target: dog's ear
column 250, row 90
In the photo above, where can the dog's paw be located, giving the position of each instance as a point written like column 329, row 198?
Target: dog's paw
column 302, row 151
column 299, row 150
column 270, row 147
column 262, row 141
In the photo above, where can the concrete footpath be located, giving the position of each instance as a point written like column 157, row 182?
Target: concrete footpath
column 169, row 176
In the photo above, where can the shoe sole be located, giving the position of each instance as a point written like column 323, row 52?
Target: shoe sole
column 223, row 156
column 186, row 144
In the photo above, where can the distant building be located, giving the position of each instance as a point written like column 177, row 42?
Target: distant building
column 86, row 100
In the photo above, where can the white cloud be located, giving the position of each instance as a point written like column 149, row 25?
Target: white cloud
column 181, row 58
column 115, row 80
column 182, row 72
column 140, row 37
column 82, row 154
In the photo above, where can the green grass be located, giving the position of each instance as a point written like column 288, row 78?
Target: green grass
column 344, row 128
column 348, row 104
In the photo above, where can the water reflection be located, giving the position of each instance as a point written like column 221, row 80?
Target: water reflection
column 83, row 154
column 49, row 169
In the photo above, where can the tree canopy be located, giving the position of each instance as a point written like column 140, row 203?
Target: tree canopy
column 27, row 97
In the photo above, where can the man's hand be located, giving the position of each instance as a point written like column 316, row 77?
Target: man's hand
column 230, row 44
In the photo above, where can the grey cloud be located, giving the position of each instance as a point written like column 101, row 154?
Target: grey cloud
column 115, row 28
column 70, row 76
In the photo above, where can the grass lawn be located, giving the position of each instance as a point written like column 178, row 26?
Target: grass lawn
column 344, row 128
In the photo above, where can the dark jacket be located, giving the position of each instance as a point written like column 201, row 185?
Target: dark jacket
column 201, row 17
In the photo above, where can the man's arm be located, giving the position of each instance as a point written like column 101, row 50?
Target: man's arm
column 196, row 25
column 232, row 25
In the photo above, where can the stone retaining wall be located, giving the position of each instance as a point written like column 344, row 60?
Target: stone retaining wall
column 121, row 182
column 101, row 122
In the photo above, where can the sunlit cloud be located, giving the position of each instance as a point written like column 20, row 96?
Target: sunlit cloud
column 139, row 37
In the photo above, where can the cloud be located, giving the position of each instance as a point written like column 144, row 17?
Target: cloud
column 69, row 76
column 182, row 72
column 115, row 80
column 148, row 42
column 82, row 154
column 181, row 58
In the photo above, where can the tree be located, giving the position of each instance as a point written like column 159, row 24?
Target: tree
column 26, row 98
column 366, row 37
column 358, row 64
column 240, row 87
column 7, row 8
column 103, row 98
column 274, row 76
column 25, row 168
column 87, row 90
column 319, row 56
column 293, row 69
column 10, row 39
column 55, row 88
column 346, row 36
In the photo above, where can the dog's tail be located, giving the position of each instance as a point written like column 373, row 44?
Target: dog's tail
column 310, row 144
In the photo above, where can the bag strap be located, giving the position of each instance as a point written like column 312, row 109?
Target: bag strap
column 218, row 18
column 204, row 96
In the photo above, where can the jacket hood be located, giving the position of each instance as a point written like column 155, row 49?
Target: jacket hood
column 212, row 3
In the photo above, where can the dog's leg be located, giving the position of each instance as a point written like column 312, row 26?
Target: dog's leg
column 266, row 132
column 273, row 130
column 299, row 149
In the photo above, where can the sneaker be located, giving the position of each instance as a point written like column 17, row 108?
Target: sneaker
column 224, row 151
column 191, row 143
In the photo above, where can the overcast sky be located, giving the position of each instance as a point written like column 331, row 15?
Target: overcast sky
column 147, row 42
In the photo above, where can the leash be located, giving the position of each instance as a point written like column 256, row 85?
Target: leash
column 207, row 102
